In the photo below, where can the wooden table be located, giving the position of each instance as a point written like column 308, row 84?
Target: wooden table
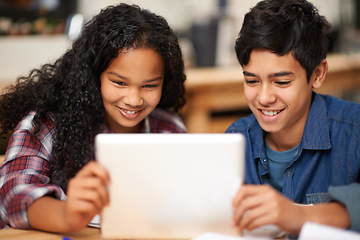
column 10, row 233
column 85, row 234
column 221, row 89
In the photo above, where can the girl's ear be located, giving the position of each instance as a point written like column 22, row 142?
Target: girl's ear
column 319, row 74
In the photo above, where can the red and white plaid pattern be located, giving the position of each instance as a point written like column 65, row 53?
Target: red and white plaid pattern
column 25, row 173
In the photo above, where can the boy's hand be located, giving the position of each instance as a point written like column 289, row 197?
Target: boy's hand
column 87, row 195
column 258, row 205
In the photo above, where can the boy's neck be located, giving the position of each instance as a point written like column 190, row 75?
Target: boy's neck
column 283, row 141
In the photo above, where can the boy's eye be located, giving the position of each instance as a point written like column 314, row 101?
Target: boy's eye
column 283, row 83
column 251, row 82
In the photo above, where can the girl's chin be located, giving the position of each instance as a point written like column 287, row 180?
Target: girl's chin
column 127, row 126
column 127, row 129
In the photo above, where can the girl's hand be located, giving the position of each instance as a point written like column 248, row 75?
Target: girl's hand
column 86, row 196
column 258, row 205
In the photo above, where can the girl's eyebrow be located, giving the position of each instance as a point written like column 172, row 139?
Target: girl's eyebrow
column 154, row 80
column 147, row 81
column 117, row 75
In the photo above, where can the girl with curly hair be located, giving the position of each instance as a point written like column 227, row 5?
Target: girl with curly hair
column 125, row 73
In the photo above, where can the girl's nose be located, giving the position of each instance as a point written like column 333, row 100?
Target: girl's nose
column 133, row 98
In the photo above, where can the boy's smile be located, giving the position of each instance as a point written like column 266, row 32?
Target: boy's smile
column 131, row 88
column 278, row 93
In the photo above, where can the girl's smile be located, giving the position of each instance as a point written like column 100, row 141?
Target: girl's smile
column 130, row 114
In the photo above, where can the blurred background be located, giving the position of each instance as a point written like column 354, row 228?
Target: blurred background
column 33, row 32
column 206, row 28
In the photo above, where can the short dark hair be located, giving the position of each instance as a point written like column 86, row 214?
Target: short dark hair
column 282, row 26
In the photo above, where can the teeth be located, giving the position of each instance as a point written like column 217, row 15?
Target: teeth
column 270, row 113
column 130, row 112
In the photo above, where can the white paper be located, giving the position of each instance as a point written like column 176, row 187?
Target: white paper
column 266, row 231
column 218, row 236
column 315, row 231
column 95, row 222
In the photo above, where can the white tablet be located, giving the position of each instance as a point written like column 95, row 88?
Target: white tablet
column 170, row 185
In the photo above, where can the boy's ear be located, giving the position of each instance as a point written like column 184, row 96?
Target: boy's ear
column 319, row 74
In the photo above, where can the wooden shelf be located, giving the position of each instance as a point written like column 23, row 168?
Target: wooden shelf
column 221, row 89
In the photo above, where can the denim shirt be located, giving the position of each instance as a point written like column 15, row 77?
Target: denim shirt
column 329, row 153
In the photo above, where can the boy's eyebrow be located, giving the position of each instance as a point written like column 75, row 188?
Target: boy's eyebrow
column 248, row 74
column 277, row 74
column 280, row 74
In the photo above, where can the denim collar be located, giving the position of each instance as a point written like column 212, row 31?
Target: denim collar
column 316, row 133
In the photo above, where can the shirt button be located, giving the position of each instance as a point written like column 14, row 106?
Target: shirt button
column 288, row 173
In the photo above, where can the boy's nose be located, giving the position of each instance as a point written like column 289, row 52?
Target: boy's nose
column 266, row 95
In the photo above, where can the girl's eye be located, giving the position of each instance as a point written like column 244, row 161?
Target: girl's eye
column 149, row 86
column 120, row 83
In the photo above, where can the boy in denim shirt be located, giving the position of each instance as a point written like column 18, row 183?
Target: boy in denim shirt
column 302, row 147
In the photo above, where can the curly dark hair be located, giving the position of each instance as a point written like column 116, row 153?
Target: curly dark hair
column 68, row 91
column 282, row 26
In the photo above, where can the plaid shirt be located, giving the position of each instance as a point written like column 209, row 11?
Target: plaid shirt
column 25, row 173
